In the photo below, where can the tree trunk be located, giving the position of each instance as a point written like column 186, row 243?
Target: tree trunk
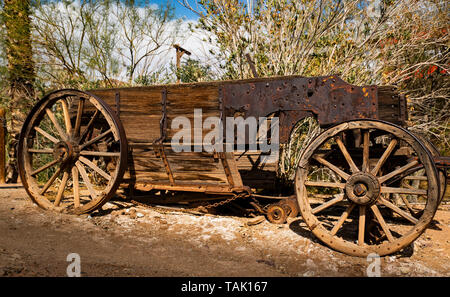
column 16, row 17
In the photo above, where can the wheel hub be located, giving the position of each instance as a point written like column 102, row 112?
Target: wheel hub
column 66, row 151
column 362, row 188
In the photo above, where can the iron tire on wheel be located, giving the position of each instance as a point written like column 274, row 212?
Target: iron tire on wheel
column 72, row 152
column 363, row 187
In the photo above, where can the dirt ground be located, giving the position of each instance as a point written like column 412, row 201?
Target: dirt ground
column 124, row 239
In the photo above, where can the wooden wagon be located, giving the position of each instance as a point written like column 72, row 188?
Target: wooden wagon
column 365, row 184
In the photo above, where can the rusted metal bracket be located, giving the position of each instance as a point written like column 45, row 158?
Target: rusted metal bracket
column 443, row 163
column 230, row 169
column 158, row 146
column 159, row 152
column 227, row 170
column 163, row 121
column 117, row 99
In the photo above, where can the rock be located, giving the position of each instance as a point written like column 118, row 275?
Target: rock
column 308, row 274
column 310, row 263
column 139, row 215
column 16, row 256
column 391, row 259
column 255, row 221
column 405, row 270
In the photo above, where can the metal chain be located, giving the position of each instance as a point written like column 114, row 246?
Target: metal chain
column 263, row 208
column 198, row 209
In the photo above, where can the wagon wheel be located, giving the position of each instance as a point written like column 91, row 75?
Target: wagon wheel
column 72, row 152
column 369, row 172
column 415, row 180
column 435, row 153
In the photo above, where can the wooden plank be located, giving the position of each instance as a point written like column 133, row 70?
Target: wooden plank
column 389, row 104
column 152, row 177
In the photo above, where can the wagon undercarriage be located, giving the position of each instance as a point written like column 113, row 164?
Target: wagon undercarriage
column 365, row 184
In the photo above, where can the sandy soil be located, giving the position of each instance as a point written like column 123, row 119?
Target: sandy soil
column 128, row 240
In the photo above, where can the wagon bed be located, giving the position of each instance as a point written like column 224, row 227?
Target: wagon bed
column 147, row 113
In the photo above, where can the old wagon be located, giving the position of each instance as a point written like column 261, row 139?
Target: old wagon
column 365, row 184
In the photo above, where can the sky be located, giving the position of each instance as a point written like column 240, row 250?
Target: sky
column 180, row 10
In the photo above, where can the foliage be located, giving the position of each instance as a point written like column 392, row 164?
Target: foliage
column 3, row 63
column 20, row 73
column 89, row 43
column 192, row 71
column 159, row 76
column 415, row 56
column 292, row 37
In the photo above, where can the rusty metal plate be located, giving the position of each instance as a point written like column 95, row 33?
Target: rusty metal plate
column 329, row 98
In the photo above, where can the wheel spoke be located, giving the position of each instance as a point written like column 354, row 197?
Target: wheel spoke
column 382, row 222
column 384, row 157
column 95, row 167
column 327, row 204
column 42, row 168
column 100, row 154
column 341, row 173
column 50, row 181
column 61, row 188
column 86, row 180
column 89, row 125
column 95, row 139
column 78, row 119
column 347, row 156
column 392, row 190
column 46, row 135
column 66, row 116
column 342, row 219
column 362, row 224
column 366, row 165
column 398, row 171
column 398, row 210
column 408, row 205
column 53, row 119
column 416, row 178
column 40, row 151
column 324, row 184
column 76, row 187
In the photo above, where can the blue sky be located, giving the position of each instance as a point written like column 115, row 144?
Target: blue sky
column 180, row 10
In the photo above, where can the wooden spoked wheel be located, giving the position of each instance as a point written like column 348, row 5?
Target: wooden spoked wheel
column 435, row 153
column 72, row 152
column 355, row 215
